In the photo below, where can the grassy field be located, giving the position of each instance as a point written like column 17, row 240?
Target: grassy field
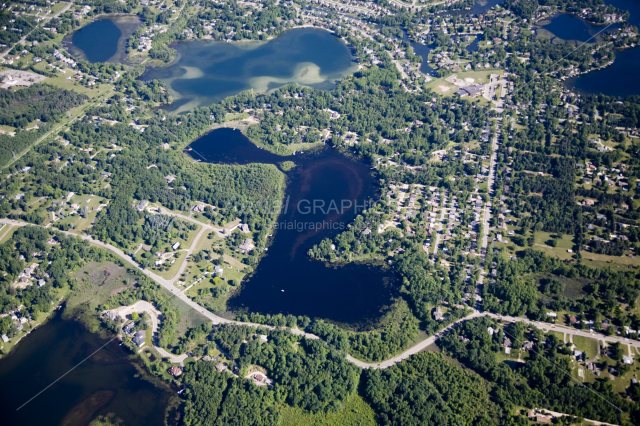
column 236, row 116
column 593, row 260
column 602, row 260
column 355, row 412
column 585, row 344
column 7, row 129
column 99, row 281
column 6, row 232
column 443, row 87
column 60, row 80
column 189, row 317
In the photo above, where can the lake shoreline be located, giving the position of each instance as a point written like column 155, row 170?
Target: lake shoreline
column 352, row 293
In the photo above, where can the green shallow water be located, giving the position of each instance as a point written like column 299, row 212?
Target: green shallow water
column 206, row 72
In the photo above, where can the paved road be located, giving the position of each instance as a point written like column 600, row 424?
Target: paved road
column 143, row 306
column 556, row 414
column 443, row 205
column 490, row 178
column 385, row 364
column 569, row 331
column 413, row 350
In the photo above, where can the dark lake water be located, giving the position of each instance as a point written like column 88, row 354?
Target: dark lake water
column 481, row 6
column 353, row 295
column 620, row 78
column 103, row 40
column 423, row 50
column 568, row 27
column 108, row 382
column 206, row 72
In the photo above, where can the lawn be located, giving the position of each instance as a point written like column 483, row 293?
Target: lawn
column 81, row 223
column 60, row 80
column 184, row 245
column 602, row 260
column 559, row 335
column 585, row 344
column 560, row 251
column 355, row 412
column 173, row 269
column 443, row 87
column 236, row 116
column 58, row 7
column 6, row 232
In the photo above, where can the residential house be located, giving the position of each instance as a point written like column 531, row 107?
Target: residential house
column 247, row 246
column 138, row 338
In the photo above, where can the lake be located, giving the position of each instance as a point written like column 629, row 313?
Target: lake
column 570, row 28
column 103, row 40
column 286, row 280
column 108, row 382
column 423, row 50
column 619, row 79
column 205, row 72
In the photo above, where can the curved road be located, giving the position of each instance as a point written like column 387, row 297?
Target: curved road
column 168, row 284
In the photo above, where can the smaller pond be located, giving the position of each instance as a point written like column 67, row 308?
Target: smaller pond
column 474, row 46
column 109, row 381
column 569, row 28
column 103, row 40
column 423, row 50
column 206, row 72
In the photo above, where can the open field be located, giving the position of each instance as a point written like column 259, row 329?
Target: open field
column 443, row 87
column 99, row 281
column 585, row 344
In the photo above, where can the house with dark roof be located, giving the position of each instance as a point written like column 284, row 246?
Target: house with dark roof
column 471, row 90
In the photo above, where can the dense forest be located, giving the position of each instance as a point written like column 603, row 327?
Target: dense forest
column 541, row 381
column 38, row 102
column 426, row 389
